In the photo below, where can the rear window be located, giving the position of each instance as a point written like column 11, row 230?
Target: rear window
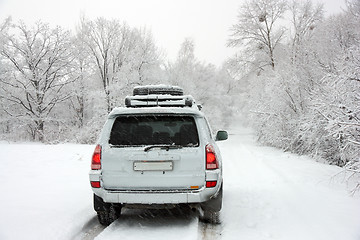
column 154, row 130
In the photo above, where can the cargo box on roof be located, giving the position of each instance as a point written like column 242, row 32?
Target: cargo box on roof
column 158, row 90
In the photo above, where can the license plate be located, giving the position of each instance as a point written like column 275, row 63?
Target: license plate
column 153, row 166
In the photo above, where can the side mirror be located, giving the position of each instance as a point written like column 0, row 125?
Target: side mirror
column 221, row 135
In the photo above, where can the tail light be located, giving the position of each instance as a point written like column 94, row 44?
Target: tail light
column 211, row 161
column 96, row 158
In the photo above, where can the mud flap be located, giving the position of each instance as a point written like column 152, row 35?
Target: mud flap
column 214, row 204
column 100, row 205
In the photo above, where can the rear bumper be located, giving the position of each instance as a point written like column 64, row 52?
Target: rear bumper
column 155, row 197
column 160, row 197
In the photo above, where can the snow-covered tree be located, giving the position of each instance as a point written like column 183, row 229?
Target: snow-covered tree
column 181, row 72
column 305, row 18
column 146, row 58
column 336, row 96
column 106, row 41
column 124, row 57
column 257, row 28
column 4, row 118
column 309, row 103
column 207, row 84
column 37, row 60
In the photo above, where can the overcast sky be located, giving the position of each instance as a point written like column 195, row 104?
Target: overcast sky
column 171, row 21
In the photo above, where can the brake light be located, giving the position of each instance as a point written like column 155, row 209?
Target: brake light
column 211, row 161
column 96, row 158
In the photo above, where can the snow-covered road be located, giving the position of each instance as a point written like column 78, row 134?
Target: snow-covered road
column 268, row 194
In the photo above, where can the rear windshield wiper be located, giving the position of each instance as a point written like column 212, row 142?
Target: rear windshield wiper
column 167, row 147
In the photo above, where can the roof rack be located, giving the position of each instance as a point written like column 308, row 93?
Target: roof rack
column 159, row 101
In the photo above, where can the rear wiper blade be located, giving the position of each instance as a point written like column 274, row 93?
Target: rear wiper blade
column 167, row 147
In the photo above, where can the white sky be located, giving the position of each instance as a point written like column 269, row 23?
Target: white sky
column 171, row 21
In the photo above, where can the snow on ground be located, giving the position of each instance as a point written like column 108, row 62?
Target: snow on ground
column 268, row 194
column 45, row 190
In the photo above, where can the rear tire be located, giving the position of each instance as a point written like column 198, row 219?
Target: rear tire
column 106, row 212
column 109, row 216
column 103, row 218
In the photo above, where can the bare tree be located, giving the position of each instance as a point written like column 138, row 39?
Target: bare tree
column 37, row 59
column 256, row 26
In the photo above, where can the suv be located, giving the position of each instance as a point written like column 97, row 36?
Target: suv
column 157, row 152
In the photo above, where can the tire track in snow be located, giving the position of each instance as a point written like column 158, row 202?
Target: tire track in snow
column 152, row 224
column 90, row 230
column 147, row 218
column 208, row 231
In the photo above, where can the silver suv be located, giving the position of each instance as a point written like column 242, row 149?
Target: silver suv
column 157, row 152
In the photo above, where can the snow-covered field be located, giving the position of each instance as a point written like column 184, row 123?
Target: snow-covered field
column 268, row 194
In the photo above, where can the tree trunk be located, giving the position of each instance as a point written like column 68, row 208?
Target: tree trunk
column 39, row 130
